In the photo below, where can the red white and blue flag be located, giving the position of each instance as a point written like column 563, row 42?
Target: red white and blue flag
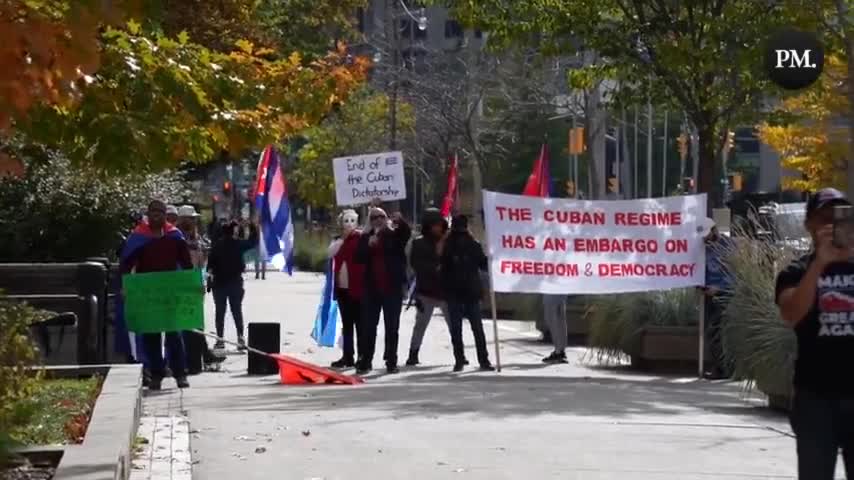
column 540, row 182
column 275, row 221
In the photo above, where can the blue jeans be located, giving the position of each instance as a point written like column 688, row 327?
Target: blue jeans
column 390, row 306
column 823, row 424
column 153, row 346
column 229, row 294
column 471, row 310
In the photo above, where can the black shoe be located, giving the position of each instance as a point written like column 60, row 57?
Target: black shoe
column 219, row 345
column 154, row 384
column 344, row 362
column 556, row 357
column 487, row 367
column 391, row 369
column 465, row 362
column 458, row 367
column 413, row 359
column 182, row 382
column 363, row 369
column 241, row 344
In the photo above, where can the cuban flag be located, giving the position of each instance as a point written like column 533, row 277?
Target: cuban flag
column 540, row 182
column 276, row 228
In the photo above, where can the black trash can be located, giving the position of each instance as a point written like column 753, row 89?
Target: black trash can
column 265, row 337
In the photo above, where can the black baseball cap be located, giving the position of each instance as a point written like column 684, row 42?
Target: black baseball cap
column 825, row 197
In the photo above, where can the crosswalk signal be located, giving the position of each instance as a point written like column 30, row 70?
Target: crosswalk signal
column 226, row 186
column 576, row 141
column 736, row 182
column 682, row 140
column 613, row 185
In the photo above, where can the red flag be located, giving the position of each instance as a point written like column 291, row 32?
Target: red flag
column 451, row 192
column 540, row 182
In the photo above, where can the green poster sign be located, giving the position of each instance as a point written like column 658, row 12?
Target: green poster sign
column 164, row 301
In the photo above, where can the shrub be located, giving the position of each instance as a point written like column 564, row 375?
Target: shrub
column 757, row 344
column 58, row 211
column 311, row 250
column 18, row 354
column 617, row 321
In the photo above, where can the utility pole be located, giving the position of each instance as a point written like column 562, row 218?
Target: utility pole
column 635, row 153
column 649, row 149
column 664, row 158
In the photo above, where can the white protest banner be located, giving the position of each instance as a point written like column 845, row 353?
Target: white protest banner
column 565, row 246
column 361, row 178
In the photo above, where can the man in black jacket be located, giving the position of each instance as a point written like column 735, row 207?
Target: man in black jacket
column 382, row 251
column 424, row 260
column 462, row 260
column 226, row 265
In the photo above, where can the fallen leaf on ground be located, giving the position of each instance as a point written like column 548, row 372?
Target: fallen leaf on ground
column 306, row 433
column 260, row 449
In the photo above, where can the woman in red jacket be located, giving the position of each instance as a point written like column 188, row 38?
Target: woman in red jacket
column 349, row 283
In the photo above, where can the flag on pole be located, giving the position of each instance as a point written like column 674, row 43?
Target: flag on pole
column 540, row 182
column 276, row 228
column 326, row 320
column 451, row 192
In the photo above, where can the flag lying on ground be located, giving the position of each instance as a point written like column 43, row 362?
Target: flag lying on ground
column 126, row 342
column 326, row 321
column 540, row 182
column 275, row 222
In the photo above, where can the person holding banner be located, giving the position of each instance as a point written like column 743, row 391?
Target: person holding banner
column 349, row 279
column 160, row 248
column 554, row 311
column 382, row 252
column 815, row 295
column 424, row 261
column 716, row 294
column 461, row 261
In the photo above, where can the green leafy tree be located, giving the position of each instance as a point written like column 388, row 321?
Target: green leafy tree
column 58, row 212
column 157, row 101
column 702, row 57
column 360, row 126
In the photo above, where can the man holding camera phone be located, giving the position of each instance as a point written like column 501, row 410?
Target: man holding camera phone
column 815, row 295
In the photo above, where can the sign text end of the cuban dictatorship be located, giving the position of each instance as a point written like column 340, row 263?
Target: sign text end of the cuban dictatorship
column 359, row 179
column 564, row 246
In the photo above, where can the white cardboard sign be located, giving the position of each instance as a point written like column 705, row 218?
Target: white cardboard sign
column 361, row 178
column 565, row 246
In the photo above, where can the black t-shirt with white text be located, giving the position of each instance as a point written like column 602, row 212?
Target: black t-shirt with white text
column 826, row 336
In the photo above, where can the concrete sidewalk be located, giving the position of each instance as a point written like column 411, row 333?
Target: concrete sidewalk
column 564, row 421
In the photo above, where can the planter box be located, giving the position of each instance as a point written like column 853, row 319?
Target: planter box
column 107, row 448
column 668, row 349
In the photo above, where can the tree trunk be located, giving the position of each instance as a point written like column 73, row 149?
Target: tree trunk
column 707, row 181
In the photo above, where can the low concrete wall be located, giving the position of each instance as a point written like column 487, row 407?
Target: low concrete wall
column 107, row 448
column 669, row 349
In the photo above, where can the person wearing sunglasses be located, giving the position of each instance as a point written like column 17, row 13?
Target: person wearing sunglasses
column 382, row 253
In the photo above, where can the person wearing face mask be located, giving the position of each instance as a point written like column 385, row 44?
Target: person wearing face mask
column 815, row 295
column 349, row 284
column 382, row 252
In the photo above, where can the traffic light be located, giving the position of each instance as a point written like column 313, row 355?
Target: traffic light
column 226, row 187
column 682, row 140
column 613, row 185
column 730, row 141
column 570, row 189
column 576, row 141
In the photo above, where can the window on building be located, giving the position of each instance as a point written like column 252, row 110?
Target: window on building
column 453, row 29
